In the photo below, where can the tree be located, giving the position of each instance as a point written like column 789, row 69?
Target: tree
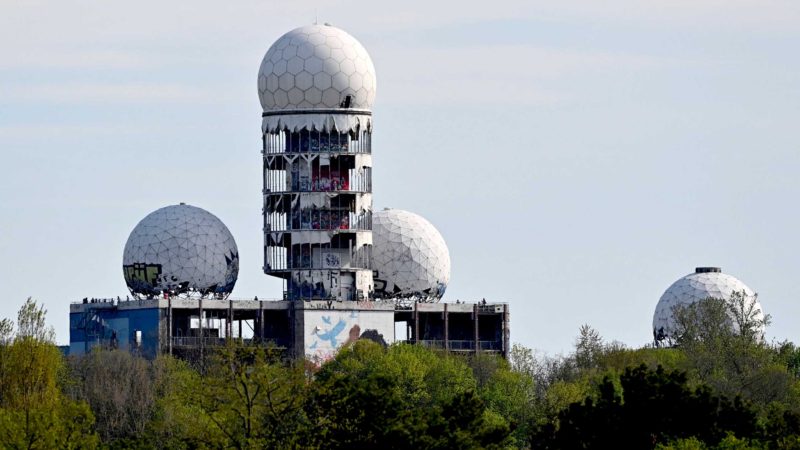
column 723, row 343
column 711, row 318
column 789, row 355
column 588, row 347
column 651, row 407
column 120, row 389
column 178, row 421
column 244, row 400
column 33, row 411
column 423, row 376
column 401, row 397
column 32, row 323
column 6, row 332
column 359, row 412
column 509, row 394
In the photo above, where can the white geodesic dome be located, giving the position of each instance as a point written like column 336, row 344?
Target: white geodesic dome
column 409, row 256
column 180, row 249
column 316, row 67
column 706, row 282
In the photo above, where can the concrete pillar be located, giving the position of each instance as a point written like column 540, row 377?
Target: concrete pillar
column 506, row 332
column 261, row 321
column 475, row 322
column 169, row 325
column 296, row 319
column 202, row 341
column 416, row 324
column 446, row 328
column 229, row 322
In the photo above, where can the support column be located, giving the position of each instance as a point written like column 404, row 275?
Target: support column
column 202, row 339
column 296, row 319
column 229, row 322
column 506, row 332
column 416, row 324
column 261, row 322
column 169, row 325
column 475, row 322
column 446, row 328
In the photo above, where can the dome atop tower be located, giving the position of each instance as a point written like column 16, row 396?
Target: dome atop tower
column 316, row 67
column 409, row 256
column 705, row 282
column 180, row 248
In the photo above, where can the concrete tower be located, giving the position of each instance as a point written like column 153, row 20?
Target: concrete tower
column 317, row 86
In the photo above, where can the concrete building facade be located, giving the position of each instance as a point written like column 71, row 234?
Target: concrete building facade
column 314, row 330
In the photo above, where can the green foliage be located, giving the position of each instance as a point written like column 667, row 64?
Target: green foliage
column 512, row 396
column 179, row 422
column 723, row 348
column 730, row 442
column 400, row 397
column 33, row 411
column 65, row 424
column 243, row 400
column 620, row 359
column 691, row 443
column 651, row 407
column 424, row 377
column 588, row 347
column 789, row 355
column 31, row 323
column 561, row 394
column 463, row 423
column 358, row 411
column 715, row 318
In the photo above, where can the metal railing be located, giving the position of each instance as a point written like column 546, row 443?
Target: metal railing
column 459, row 345
column 195, row 341
column 111, row 302
column 491, row 308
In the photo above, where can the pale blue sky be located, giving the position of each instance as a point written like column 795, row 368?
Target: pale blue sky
column 578, row 157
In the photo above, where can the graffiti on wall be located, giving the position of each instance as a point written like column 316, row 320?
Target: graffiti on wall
column 141, row 276
column 329, row 331
column 231, row 272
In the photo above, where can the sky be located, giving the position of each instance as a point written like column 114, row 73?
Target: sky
column 577, row 157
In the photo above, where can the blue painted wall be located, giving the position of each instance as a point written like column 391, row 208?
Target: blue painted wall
column 104, row 324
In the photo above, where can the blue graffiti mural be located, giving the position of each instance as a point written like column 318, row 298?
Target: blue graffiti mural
column 331, row 335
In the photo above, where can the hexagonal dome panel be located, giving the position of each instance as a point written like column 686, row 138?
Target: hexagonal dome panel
column 706, row 282
column 322, row 57
column 180, row 248
column 409, row 255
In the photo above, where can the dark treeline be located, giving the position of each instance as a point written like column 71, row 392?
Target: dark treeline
column 720, row 387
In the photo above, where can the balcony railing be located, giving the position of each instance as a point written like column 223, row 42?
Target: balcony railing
column 317, row 142
column 195, row 341
column 459, row 345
